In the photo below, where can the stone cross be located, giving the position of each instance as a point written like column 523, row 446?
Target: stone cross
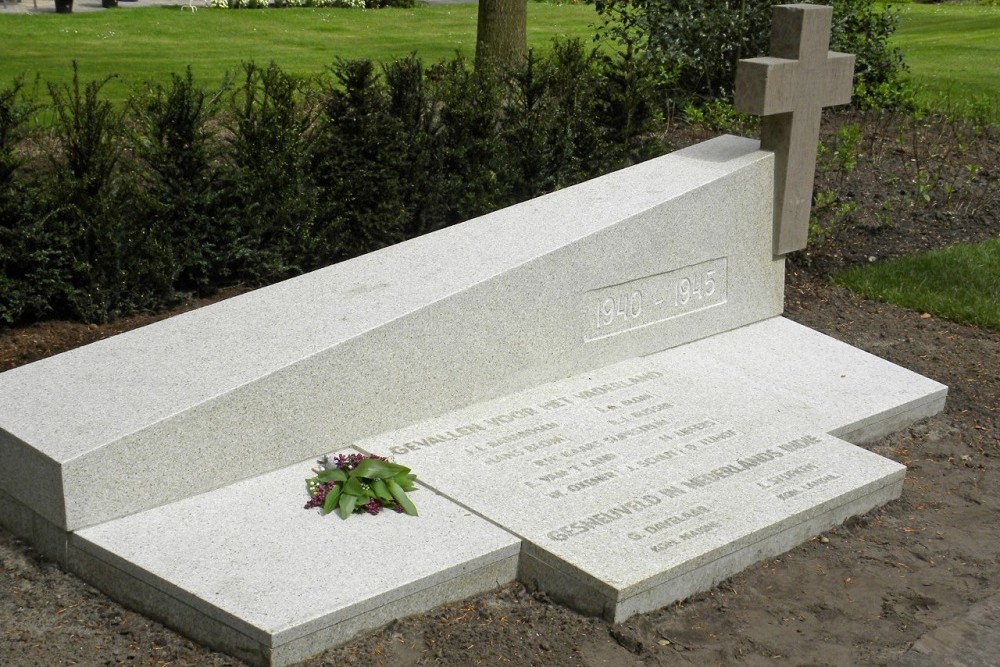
column 789, row 89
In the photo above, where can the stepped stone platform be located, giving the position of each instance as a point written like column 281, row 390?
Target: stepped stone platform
column 595, row 389
column 617, row 491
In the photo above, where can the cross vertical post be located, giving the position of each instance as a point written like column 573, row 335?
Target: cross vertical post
column 789, row 89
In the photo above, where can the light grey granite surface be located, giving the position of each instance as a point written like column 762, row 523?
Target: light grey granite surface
column 663, row 253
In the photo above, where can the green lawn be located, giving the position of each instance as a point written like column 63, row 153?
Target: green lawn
column 954, row 56
column 953, row 52
column 149, row 43
column 961, row 283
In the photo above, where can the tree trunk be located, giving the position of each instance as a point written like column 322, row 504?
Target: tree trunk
column 501, row 35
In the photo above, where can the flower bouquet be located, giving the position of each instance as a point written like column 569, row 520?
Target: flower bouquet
column 355, row 483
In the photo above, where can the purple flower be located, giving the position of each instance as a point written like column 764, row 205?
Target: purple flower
column 373, row 506
column 319, row 495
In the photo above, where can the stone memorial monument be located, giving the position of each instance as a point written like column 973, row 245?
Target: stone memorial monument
column 596, row 390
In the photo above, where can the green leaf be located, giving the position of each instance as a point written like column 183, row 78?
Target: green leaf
column 332, row 475
column 381, row 490
column 376, row 469
column 347, row 505
column 354, row 486
column 331, row 499
column 405, row 481
column 397, row 493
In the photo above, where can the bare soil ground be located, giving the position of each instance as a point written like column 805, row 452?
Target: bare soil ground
column 858, row 595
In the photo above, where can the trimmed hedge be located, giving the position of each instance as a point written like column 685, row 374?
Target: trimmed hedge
column 110, row 210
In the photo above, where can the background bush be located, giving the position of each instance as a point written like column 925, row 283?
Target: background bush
column 695, row 45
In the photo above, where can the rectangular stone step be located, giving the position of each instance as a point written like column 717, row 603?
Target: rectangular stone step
column 247, row 570
column 649, row 480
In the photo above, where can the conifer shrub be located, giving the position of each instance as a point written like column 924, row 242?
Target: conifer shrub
column 100, row 262
column 177, row 168
column 473, row 162
column 264, row 211
column 23, row 290
column 366, row 156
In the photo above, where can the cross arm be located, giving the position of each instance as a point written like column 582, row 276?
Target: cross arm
column 763, row 85
column 767, row 86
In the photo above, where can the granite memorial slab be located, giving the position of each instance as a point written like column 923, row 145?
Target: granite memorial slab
column 245, row 569
column 646, row 481
column 626, row 487
column 494, row 305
